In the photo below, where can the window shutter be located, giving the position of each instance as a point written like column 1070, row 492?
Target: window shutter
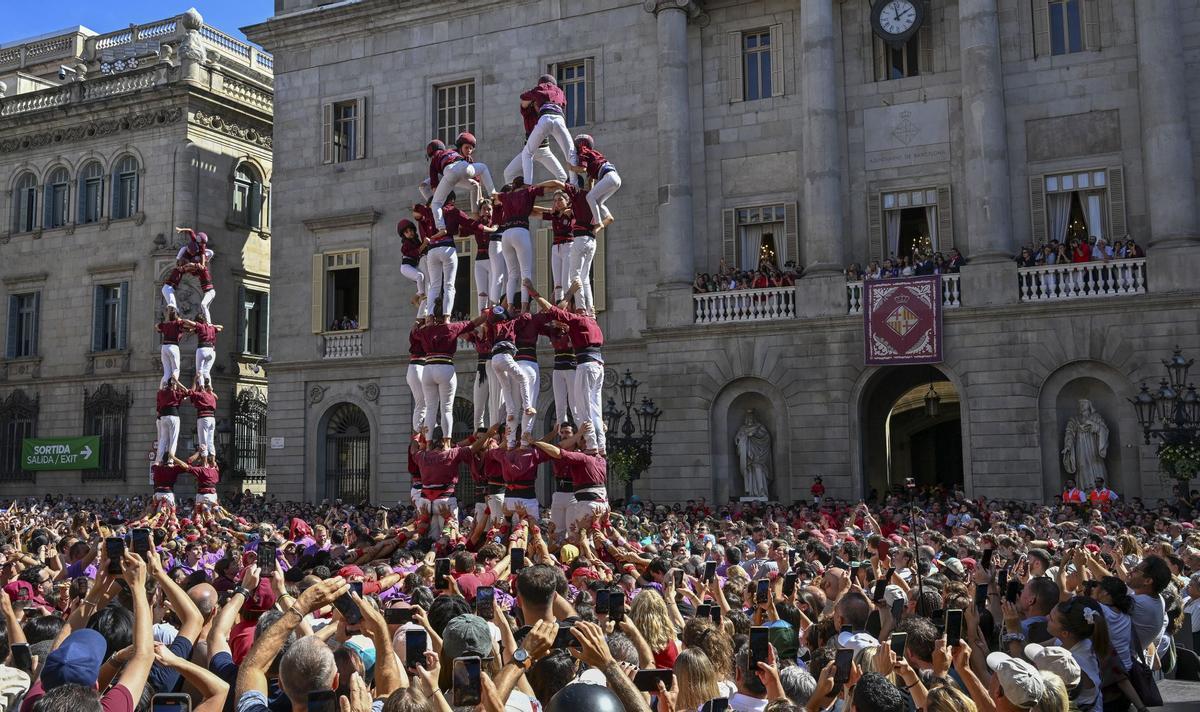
column 734, row 47
column 599, row 292
column 10, row 349
column 544, row 279
column 1091, row 25
column 589, row 91
column 364, row 289
column 47, row 207
column 880, row 51
column 242, row 322
column 875, row 225
column 777, row 60
column 1037, row 209
column 123, row 324
column 945, row 216
column 318, row 293
column 97, row 318
column 925, row 38
column 360, row 118
column 37, row 323
column 729, row 237
column 255, row 209
column 1116, row 202
column 791, row 232
column 1041, row 28
column 264, row 324
column 327, row 133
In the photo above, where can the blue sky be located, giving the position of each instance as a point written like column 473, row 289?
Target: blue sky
column 23, row 18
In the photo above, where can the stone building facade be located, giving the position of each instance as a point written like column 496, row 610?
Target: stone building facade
column 749, row 129
column 107, row 143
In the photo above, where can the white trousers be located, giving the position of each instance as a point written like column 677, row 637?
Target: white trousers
column 480, row 396
column 583, row 250
column 206, row 428
column 168, row 293
column 443, row 270
column 209, row 498
column 436, row 523
column 518, row 259
column 494, row 504
column 458, row 176
column 440, row 383
column 417, row 387
column 414, row 495
column 168, row 497
column 589, row 380
column 560, row 268
column 207, row 299
column 534, row 375
column 423, row 267
column 170, row 363
column 559, row 504
column 498, row 279
column 548, row 125
column 604, row 188
column 542, row 155
column 563, row 382
column 205, row 356
column 578, row 511
column 168, row 435
column 483, row 278
column 496, row 398
column 518, row 392
column 531, row 506
column 414, row 273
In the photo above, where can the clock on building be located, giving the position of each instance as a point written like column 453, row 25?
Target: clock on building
column 897, row 20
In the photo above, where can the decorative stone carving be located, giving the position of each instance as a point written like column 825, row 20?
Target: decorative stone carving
column 316, row 394
column 91, row 129
column 753, row 442
column 216, row 122
column 370, row 391
column 1085, row 446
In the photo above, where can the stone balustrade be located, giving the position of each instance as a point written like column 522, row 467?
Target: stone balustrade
column 951, row 294
column 1079, row 280
column 36, row 101
column 118, row 84
column 344, row 344
column 745, row 305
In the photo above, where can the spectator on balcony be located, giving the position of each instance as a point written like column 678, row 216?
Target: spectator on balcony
column 940, row 265
column 890, row 270
column 873, row 271
column 906, row 267
column 1101, row 251
column 1080, row 251
column 956, row 260
column 854, row 273
column 790, row 272
column 1026, row 258
column 1132, row 249
column 700, row 284
column 923, row 264
column 760, row 280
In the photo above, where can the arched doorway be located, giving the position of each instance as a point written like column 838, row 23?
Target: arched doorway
column 907, row 432
column 347, row 471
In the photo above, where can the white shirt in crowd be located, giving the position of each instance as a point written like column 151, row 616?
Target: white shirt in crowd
column 743, row 703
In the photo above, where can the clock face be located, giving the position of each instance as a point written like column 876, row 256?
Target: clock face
column 897, row 17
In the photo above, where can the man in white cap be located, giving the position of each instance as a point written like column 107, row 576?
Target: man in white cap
column 1057, row 660
column 1016, row 684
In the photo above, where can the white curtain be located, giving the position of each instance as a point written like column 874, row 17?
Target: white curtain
column 751, row 244
column 931, row 221
column 1058, row 205
column 1095, row 223
column 893, row 232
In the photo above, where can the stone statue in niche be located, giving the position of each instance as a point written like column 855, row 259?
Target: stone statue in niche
column 753, row 442
column 1085, row 446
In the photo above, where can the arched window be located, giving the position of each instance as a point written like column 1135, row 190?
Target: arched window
column 91, row 193
column 348, row 454
column 25, row 204
column 18, row 420
column 248, row 197
column 58, row 187
column 105, row 413
column 125, row 188
column 249, row 436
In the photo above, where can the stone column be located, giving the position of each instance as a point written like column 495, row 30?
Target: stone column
column 1166, row 145
column 985, row 141
column 821, row 227
column 670, row 304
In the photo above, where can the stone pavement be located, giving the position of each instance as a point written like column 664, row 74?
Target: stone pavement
column 1179, row 696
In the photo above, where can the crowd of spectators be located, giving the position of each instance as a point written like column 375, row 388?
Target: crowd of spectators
column 921, row 263
column 836, row 605
column 727, row 279
column 1077, row 250
column 344, row 323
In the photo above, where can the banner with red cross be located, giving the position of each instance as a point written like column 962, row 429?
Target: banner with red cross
column 903, row 321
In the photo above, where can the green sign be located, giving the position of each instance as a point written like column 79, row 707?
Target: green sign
column 61, row 453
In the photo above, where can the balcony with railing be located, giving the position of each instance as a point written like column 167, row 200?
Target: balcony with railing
column 951, row 294
column 745, row 305
column 1080, row 280
column 342, row 344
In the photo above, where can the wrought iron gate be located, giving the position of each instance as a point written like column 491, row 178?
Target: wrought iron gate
column 348, row 455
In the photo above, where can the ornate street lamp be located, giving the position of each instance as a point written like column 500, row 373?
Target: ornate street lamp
column 630, row 445
column 1172, row 415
